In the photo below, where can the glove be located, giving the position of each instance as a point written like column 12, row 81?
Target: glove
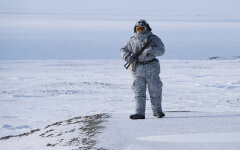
column 146, row 52
column 130, row 59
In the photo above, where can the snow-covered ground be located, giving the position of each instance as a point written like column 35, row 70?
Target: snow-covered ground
column 200, row 97
column 177, row 131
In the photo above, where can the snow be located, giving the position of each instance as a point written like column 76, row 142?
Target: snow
column 200, row 98
column 178, row 130
column 197, row 138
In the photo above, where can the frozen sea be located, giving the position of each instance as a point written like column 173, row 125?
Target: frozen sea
column 57, row 36
column 46, row 74
column 200, row 97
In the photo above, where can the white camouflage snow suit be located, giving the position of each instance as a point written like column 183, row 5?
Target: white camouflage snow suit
column 146, row 74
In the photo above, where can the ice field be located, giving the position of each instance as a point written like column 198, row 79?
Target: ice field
column 200, row 97
column 64, row 87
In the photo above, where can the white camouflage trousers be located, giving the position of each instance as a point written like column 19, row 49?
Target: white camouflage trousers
column 147, row 77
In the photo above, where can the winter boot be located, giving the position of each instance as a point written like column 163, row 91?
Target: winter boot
column 159, row 114
column 137, row 116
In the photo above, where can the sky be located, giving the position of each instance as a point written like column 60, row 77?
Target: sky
column 77, row 29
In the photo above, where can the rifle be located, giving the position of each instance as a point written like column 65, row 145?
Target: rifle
column 139, row 52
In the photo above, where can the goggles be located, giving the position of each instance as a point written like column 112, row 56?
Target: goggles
column 140, row 29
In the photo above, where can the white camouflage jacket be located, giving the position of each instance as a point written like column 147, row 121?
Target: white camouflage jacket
column 155, row 48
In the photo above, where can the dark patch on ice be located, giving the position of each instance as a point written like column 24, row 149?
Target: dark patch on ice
column 21, row 94
column 226, row 87
column 74, row 64
column 20, row 135
column 9, row 127
column 235, row 57
column 5, row 92
column 231, row 101
column 8, row 100
column 100, row 84
column 22, row 127
column 88, row 127
column 79, row 84
column 51, row 144
column 233, row 87
column 44, row 134
column 10, row 117
column 237, row 82
column 216, row 58
column 200, row 76
column 61, row 92
column 26, row 96
column 71, row 88
column 54, row 124
column 62, row 88
column 178, row 111
column 82, row 130
column 6, row 126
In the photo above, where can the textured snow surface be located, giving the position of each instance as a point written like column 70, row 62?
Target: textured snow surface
column 202, row 137
column 177, row 131
column 74, row 133
column 205, row 94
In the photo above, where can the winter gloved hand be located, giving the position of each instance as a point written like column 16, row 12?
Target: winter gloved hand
column 130, row 59
column 146, row 52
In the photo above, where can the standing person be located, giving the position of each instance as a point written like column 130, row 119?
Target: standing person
column 145, row 69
